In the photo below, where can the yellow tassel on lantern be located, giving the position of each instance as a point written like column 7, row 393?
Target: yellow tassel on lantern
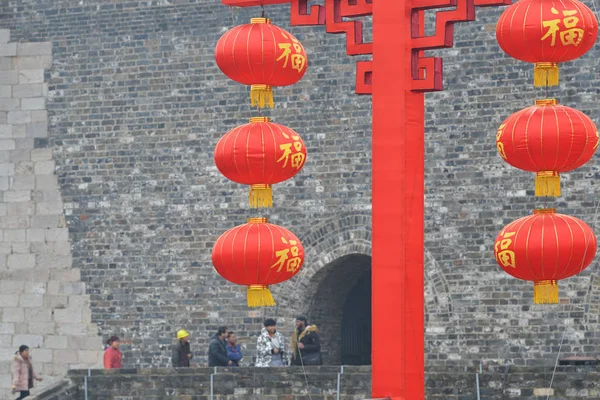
column 545, row 74
column 262, row 96
column 261, row 196
column 547, row 184
column 260, row 296
column 545, row 292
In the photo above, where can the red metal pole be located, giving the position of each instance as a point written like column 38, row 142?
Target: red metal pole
column 398, row 215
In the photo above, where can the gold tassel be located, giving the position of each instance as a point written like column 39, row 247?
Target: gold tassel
column 262, row 96
column 547, row 184
column 545, row 292
column 545, row 74
column 261, row 196
column 260, row 296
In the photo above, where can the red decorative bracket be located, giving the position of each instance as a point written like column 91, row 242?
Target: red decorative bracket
column 427, row 71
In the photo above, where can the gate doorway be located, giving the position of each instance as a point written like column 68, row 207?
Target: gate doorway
column 356, row 323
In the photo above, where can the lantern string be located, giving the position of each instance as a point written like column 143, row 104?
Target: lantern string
column 262, row 14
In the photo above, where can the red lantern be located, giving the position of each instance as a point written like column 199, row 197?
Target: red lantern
column 262, row 55
column 546, row 33
column 260, row 154
column 258, row 254
column 544, row 248
column 547, row 138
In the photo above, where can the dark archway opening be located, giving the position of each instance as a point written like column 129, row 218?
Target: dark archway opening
column 356, row 323
column 341, row 308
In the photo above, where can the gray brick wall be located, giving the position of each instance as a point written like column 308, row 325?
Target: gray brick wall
column 136, row 105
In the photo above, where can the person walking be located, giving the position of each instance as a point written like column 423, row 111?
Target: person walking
column 270, row 346
column 181, row 354
column 217, row 351
column 306, row 345
column 113, row 359
column 234, row 353
column 23, row 373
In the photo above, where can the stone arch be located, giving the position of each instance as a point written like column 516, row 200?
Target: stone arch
column 346, row 240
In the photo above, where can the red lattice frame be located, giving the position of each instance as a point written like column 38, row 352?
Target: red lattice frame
column 427, row 71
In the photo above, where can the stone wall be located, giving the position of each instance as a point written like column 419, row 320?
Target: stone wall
column 495, row 383
column 43, row 303
column 136, row 105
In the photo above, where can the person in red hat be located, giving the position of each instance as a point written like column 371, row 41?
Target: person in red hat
column 112, row 354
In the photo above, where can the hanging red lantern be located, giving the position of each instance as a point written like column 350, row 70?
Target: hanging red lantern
column 546, row 33
column 544, row 248
column 260, row 154
column 261, row 55
column 258, row 254
column 547, row 139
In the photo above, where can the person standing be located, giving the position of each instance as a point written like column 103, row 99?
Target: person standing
column 113, row 359
column 23, row 373
column 306, row 346
column 234, row 353
column 217, row 352
column 181, row 352
column 270, row 347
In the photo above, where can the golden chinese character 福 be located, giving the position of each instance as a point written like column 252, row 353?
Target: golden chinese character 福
column 504, row 255
column 297, row 158
column 291, row 264
column 571, row 35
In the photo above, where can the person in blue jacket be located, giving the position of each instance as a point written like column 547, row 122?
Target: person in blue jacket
column 234, row 353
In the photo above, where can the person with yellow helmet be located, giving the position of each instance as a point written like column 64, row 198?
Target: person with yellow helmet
column 182, row 354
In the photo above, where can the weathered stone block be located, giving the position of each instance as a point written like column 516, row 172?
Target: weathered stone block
column 9, row 104
column 37, row 129
column 89, row 357
column 9, row 300
column 4, row 184
column 36, row 234
column 52, row 301
column 19, row 117
column 67, row 316
column 7, row 328
column 20, row 155
column 6, row 131
column 21, row 248
column 44, row 167
column 15, row 221
column 7, row 169
column 86, row 343
column 31, row 76
column 66, row 288
column 15, row 235
column 43, row 355
column 72, row 329
column 5, row 90
column 56, row 342
column 21, row 261
column 34, row 49
column 66, row 356
column 53, row 261
column 39, row 116
column 32, row 62
column 10, row 314
column 44, row 221
column 31, row 300
column 8, row 77
column 12, row 287
column 8, row 49
column 32, row 341
column 4, row 36
column 57, row 234
column 41, row 155
column 27, row 90
column 41, row 328
column 34, row 103
column 17, row 196
column 49, row 208
column 38, row 315
column 21, row 208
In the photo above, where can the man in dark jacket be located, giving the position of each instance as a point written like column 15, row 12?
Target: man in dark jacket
column 306, row 347
column 182, row 354
column 217, row 351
